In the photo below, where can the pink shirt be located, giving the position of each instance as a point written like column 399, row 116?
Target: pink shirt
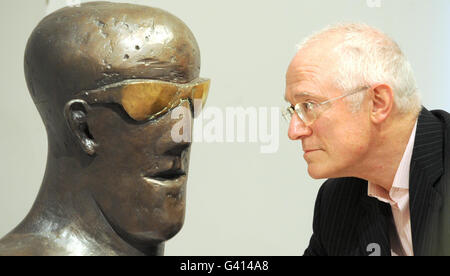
column 398, row 198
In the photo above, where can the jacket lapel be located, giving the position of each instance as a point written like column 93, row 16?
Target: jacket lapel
column 373, row 228
column 425, row 171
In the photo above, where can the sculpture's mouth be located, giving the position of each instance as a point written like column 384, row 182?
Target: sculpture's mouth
column 168, row 178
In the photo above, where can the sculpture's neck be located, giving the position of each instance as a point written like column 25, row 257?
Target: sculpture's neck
column 70, row 220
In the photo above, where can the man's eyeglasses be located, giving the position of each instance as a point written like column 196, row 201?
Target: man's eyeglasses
column 309, row 111
column 144, row 99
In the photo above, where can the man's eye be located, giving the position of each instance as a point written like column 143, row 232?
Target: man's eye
column 309, row 106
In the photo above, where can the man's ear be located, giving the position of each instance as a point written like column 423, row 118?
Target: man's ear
column 382, row 102
column 75, row 113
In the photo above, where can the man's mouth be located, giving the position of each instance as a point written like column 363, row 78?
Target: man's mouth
column 308, row 151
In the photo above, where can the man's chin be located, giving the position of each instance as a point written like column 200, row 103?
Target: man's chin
column 316, row 172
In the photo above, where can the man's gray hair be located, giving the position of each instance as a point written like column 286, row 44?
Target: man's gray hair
column 367, row 57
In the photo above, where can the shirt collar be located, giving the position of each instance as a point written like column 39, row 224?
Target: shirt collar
column 401, row 179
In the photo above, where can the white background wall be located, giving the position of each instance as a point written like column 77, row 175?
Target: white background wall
column 240, row 202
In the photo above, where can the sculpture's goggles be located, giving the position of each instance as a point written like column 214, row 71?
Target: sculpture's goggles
column 146, row 99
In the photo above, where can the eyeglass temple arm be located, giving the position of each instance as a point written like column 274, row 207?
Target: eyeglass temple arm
column 345, row 95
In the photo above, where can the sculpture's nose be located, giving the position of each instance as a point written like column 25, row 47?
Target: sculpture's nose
column 177, row 136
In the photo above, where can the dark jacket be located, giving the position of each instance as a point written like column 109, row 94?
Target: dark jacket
column 349, row 222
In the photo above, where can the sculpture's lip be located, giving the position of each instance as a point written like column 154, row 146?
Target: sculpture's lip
column 170, row 174
column 174, row 182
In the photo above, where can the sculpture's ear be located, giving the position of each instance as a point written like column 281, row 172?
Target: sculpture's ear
column 75, row 113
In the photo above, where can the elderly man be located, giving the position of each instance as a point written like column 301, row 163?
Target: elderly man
column 355, row 107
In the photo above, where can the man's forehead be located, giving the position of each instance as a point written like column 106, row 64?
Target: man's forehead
column 302, row 95
column 304, row 82
column 309, row 75
column 305, row 67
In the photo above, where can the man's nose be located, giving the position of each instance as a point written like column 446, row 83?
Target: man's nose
column 298, row 129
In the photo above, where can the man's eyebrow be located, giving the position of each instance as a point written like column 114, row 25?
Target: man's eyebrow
column 302, row 95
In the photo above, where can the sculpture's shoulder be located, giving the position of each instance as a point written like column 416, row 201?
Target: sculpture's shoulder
column 54, row 244
column 29, row 245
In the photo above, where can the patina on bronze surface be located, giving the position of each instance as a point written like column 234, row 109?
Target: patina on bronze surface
column 113, row 185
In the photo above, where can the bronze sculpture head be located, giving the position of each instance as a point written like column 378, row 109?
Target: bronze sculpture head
column 106, row 78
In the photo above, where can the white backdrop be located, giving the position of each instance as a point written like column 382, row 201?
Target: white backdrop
column 240, row 202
